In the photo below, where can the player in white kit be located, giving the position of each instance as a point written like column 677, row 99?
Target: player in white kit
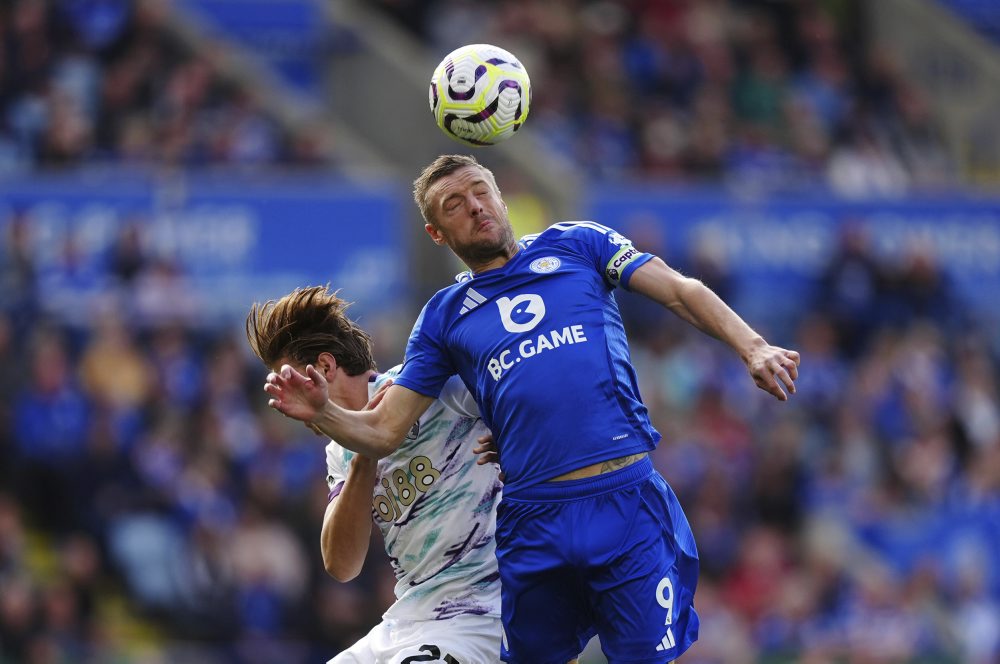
column 433, row 502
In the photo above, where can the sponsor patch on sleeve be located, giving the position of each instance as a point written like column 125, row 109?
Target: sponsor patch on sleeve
column 622, row 259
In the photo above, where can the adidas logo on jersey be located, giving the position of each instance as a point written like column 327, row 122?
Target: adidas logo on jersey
column 472, row 300
column 668, row 641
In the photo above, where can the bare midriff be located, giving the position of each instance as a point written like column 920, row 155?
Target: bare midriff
column 599, row 468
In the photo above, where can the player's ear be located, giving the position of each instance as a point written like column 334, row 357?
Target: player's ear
column 326, row 364
column 434, row 233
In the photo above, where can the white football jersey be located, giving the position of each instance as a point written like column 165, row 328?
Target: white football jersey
column 436, row 509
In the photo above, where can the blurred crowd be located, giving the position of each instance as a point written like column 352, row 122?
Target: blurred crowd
column 108, row 83
column 860, row 522
column 153, row 509
column 754, row 93
column 983, row 15
column 148, row 498
column 758, row 93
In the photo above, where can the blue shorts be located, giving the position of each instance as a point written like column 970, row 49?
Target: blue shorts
column 611, row 555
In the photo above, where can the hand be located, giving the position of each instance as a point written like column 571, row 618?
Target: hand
column 771, row 367
column 375, row 400
column 297, row 396
column 488, row 452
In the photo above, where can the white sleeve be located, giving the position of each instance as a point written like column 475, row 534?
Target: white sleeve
column 336, row 465
column 457, row 397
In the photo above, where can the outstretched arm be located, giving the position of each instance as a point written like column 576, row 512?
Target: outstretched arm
column 770, row 366
column 375, row 433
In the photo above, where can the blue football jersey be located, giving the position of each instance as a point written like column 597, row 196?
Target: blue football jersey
column 540, row 344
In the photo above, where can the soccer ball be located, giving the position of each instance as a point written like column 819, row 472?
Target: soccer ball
column 480, row 94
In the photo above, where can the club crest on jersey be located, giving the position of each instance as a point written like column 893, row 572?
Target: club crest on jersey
column 414, row 431
column 545, row 265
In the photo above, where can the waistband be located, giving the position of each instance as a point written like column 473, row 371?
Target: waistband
column 586, row 486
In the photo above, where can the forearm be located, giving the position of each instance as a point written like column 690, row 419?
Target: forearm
column 700, row 306
column 697, row 304
column 347, row 523
column 364, row 432
column 375, row 433
column 694, row 302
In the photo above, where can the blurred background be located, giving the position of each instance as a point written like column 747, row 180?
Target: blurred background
column 830, row 167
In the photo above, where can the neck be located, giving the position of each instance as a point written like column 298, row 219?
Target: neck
column 495, row 262
column 351, row 392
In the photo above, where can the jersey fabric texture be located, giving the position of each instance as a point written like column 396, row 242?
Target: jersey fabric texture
column 629, row 574
column 436, row 509
column 513, row 333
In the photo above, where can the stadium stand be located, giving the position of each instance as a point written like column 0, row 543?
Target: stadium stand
column 765, row 94
column 108, row 83
column 982, row 15
column 152, row 509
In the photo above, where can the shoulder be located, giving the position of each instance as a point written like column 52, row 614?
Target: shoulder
column 435, row 310
column 448, row 305
column 337, row 456
column 388, row 374
column 585, row 232
column 449, row 295
column 608, row 250
column 383, row 377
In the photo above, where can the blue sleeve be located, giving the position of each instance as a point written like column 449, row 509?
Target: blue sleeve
column 613, row 254
column 427, row 364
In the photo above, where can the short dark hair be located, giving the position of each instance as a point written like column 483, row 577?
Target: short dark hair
column 305, row 323
column 444, row 165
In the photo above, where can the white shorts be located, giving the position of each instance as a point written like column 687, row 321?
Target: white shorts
column 459, row 640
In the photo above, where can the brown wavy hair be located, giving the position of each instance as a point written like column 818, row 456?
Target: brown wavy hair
column 305, row 323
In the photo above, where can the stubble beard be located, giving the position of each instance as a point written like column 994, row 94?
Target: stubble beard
column 475, row 254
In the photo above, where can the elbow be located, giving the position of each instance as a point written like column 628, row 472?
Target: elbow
column 386, row 445
column 339, row 570
column 688, row 292
column 340, row 563
column 691, row 287
column 342, row 575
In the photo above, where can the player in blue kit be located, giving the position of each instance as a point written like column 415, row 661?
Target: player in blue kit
column 590, row 539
